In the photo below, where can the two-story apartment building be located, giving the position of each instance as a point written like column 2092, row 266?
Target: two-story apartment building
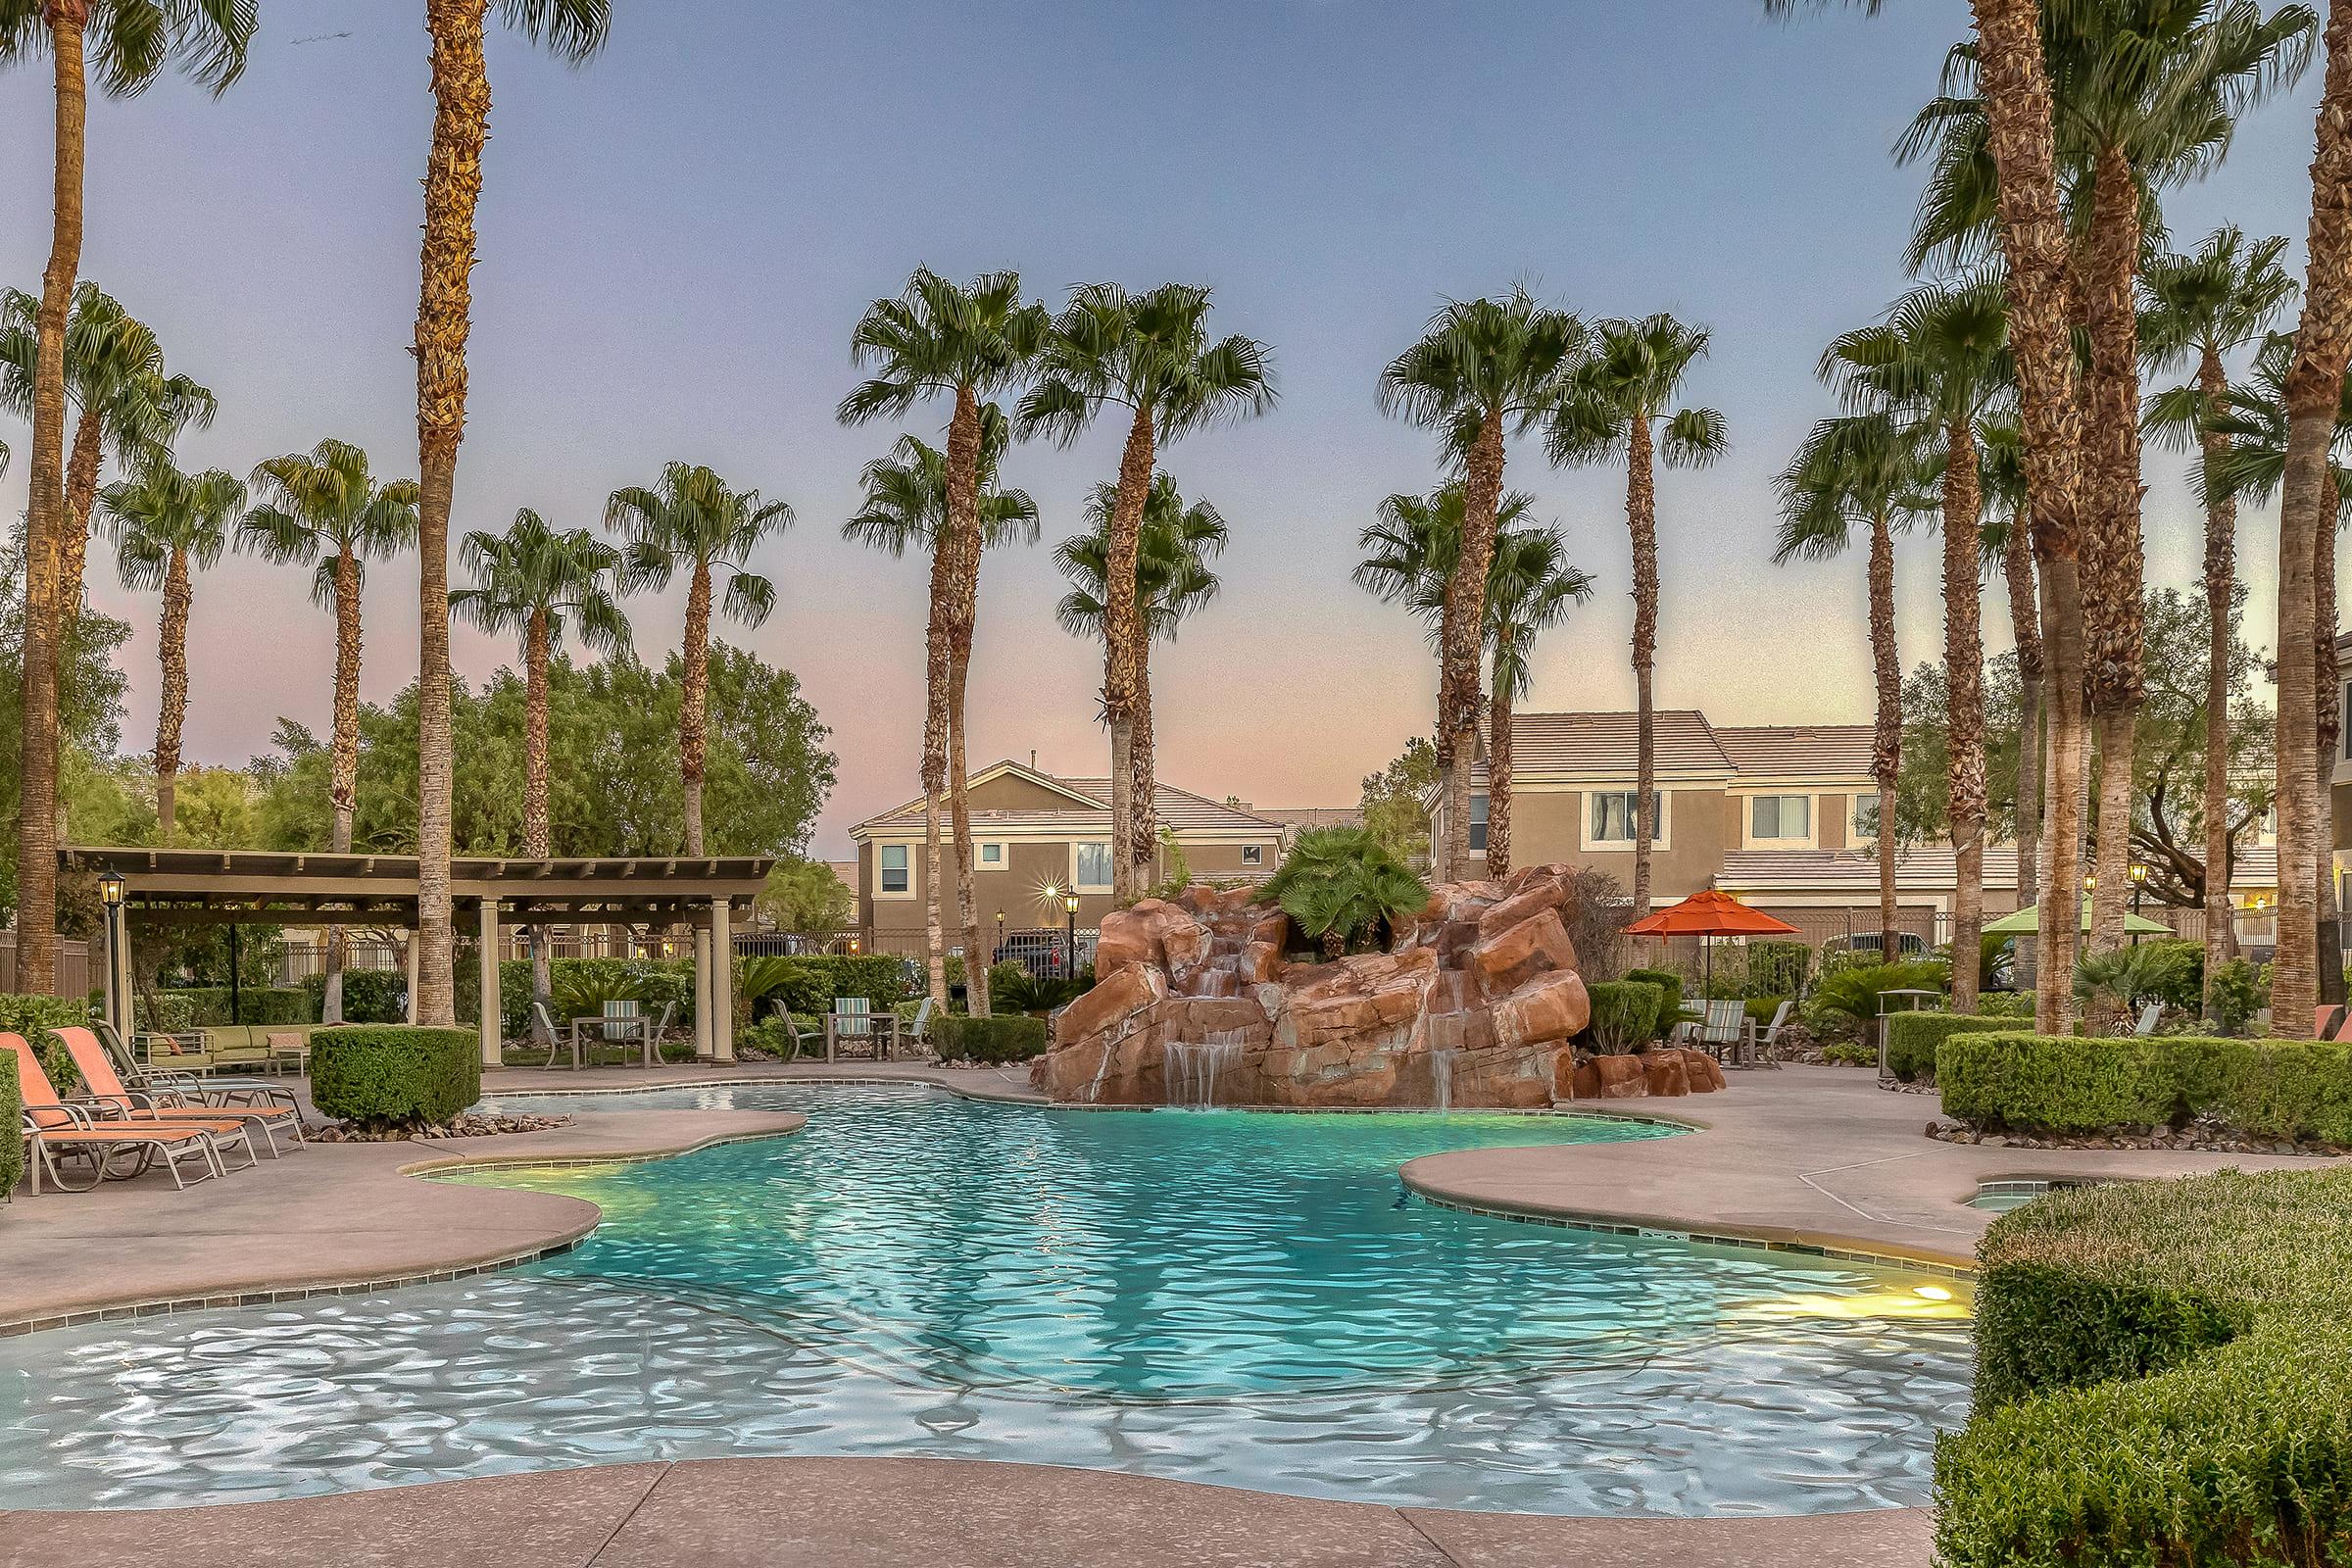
column 1037, row 838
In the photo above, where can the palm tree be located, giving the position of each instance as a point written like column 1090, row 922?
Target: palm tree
column 130, row 42
column 968, row 343
column 123, row 402
column 1149, row 354
column 574, row 29
column 2255, row 421
column 693, row 523
column 1414, row 546
column 1484, row 369
column 164, row 522
column 1172, row 579
column 1633, row 377
column 2204, row 307
column 530, row 581
column 2008, row 536
column 1866, row 470
column 324, row 508
column 1941, row 357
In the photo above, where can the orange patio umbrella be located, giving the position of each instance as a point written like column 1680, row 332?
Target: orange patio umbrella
column 1712, row 913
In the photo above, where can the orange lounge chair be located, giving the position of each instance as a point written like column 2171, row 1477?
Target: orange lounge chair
column 55, row 1130
column 169, row 1105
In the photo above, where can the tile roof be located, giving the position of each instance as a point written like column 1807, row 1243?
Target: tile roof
column 1180, row 809
column 1797, row 751
column 1311, row 815
column 1921, row 869
column 1603, row 742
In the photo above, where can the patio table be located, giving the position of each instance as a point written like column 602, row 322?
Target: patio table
column 599, row 1021
column 881, row 1030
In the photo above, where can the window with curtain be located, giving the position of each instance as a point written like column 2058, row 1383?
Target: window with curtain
column 1093, row 867
column 1781, row 816
column 1612, row 816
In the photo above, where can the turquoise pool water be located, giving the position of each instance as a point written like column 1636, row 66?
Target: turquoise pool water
column 1221, row 1297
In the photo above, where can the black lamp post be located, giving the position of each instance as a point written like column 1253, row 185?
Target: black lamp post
column 1069, row 906
column 1000, row 953
column 2139, row 880
column 111, row 892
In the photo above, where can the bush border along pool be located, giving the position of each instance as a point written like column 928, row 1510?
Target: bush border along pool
column 2293, row 1090
column 1912, row 1037
column 393, row 1075
column 2164, row 1377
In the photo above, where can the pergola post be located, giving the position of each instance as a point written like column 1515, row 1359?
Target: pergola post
column 415, row 960
column 722, row 981
column 492, row 1053
column 703, row 1049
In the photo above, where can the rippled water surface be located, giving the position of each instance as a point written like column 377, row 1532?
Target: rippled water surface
column 1215, row 1296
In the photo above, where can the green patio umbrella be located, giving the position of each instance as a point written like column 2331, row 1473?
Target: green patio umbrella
column 2027, row 922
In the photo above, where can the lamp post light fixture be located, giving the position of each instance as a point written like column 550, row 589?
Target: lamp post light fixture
column 2139, row 880
column 1000, row 953
column 110, row 889
column 1069, row 907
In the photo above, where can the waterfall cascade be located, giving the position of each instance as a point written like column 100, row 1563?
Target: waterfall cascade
column 1192, row 1067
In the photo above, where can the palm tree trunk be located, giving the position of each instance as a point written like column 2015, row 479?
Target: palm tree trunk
column 694, row 698
column 1123, row 632
column 2314, row 392
column 1964, row 711
column 2112, row 562
column 1641, row 520
column 535, row 835
column 453, row 185
column 2221, row 593
column 2024, row 630
column 938, row 662
column 37, row 814
column 171, row 713
column 2060, row 911
column 1886, row 733
column 2328, row 698
column 1143, row 849
column 1499, row 767
column 82, row 464
column 343, row 754
column 964, row 528
column 1461, row 635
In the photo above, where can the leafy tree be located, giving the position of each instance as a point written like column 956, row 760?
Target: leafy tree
column 693, row 523
column 1629, row 385
column 1151, row 355
column 1483, row 369
column 1391, row 800
column 130, row 42
column 808, row 898
column 164, row 524
column 90, row 706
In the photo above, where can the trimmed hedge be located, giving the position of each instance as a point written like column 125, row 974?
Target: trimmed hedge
column 1670, row 992
column 11, row 1133
column 1912, row 1037
column 209, row 1005
column 370, row 996
column 1625, row 1013
column 390, row 1075
column 2163, row 1375
column 2298, row 1090
column 1004, row 1037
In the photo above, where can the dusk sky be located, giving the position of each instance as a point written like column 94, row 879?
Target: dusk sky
column 677, row 237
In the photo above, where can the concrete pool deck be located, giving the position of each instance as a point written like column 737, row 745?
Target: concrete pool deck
column 942, row 1514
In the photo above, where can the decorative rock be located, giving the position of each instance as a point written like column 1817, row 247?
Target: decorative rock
column 1666, row 1073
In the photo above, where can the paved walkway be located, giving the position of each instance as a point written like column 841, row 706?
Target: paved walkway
column 940, row 1513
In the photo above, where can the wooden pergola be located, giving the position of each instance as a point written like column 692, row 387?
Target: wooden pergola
column 253, row 887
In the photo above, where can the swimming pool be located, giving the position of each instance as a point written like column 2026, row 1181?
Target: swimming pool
column 1227, row 1296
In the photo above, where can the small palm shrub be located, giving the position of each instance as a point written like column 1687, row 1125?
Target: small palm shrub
column 1853, row 994
column 1343, row 886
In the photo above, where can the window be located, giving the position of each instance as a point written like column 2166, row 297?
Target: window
column 1779, row 816
column 1093, row 870
column 1611, row 818
column 893, row 868
column 1866, row 816
column 992, row 856
column 1253, row 854
column 1478, row 821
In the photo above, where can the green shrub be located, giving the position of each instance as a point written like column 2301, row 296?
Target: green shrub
column 1003, row 1037
column 1777, row 969
column 2274, row 1088
column 11, row 1133
column 1912, row 1037
column 1625, row 1015
column 2005, row 1004
column 370, row 996
column 2174, row 972
column 391, row 1075
column 1670, row 997
column 170, row 1013
column 261, row 1004
column 33, row 1016
column 2163, row 1375
column 1854, row 992
column 2239, row 992
column 1760, row 1009
column 1850, row 1054
column 808, row 982
column 1344, row 887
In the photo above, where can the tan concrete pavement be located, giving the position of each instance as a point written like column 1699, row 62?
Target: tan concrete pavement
column 937, row 1513
column 1809, row 1157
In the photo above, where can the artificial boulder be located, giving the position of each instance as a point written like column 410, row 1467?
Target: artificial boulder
column 1472, row 1005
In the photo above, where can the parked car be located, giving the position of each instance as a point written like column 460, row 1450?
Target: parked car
column 1907, row 944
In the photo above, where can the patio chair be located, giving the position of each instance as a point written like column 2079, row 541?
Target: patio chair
column 167, row 1106
column 917, row 1032
column 1766, row 1042
column 2149, row 1017
column 1724, row 1032
column 154, row 1076
column 852, row 1029
column 55, row 1131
